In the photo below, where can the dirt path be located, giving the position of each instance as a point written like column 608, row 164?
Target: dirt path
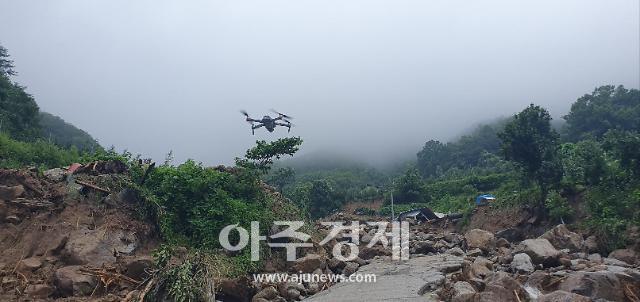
column 410, row 280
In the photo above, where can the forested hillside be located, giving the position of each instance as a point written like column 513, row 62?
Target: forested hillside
column 66, row 135
column 588, row 164
column 26, row 131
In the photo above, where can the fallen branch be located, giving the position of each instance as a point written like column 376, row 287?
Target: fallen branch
column 628, row 291
column 92, row 186
column 108, row 277
column 554, row 282
column 32, row 204
column 517, row 297
column 146, row 290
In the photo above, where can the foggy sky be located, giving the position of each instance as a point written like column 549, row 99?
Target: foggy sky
column 374, row 78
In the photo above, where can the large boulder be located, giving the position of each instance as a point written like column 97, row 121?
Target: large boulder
column 501, row 287
column 138, row 267
column 481, row 239
column 267, row 294
column 55, row 174
column 29, row 265
column 561, row 238
column 521, row 263
column 70, row 281
column 596, row 285
column 627, row 255
column 462, row 292
column 238, row 289
column 423, row 247
column 563, row 296
column 40, row 291
column 511, row 234
column 541, row 251
column 591, row 244
column 367, row 253
column 309, row 263
column 98, row 247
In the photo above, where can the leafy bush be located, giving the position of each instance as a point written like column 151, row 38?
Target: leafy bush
column 16, row 154
column 558, row 206
column 198, row 202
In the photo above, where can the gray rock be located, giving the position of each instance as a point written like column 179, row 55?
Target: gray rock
column 474, row 252
column 309, row 263
column 433, row 280
column 501, row 287
column 29, row 265
column 563, row 296
column 350, row 268
column 423, row 247
column 511, row 235
column 591, row 244
column 456, row 251
column 501, row 242
column 463, row 292
column 596, row 285
column 336, row 265
column 39, row 290
column 627, row 255
column 55, row 174
column 70, row 281
column 96, row 247
column 561, row 238
column 268, row 293
column 616, row 262
column 481, row 239
column 541, row 251
column 595, row 258
column 522, row 263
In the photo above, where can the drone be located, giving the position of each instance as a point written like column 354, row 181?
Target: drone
column 268, row 122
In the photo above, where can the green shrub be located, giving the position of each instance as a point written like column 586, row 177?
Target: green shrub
column 197, row 202
column 558, row 206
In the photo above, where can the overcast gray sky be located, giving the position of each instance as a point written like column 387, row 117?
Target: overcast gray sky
column 376, row 78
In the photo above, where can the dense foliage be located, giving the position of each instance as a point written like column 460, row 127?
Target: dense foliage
column 39, row 153
column 529, row 141
column 435, row 157
column 323, row 189
column 523, row 160
column 606, row 108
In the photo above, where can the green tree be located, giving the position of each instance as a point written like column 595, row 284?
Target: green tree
column 583, row 162
column 530, row 142
column 262, row 155
column 322, row 199
column 626, row 147
column 433, row 155
column 6, row 64
column 409, row 188
column 607, row 107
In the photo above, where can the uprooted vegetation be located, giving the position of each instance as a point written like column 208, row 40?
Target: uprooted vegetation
column 119, row 227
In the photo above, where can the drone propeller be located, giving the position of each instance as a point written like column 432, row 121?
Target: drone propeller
column 246, row 115
column 283, row 115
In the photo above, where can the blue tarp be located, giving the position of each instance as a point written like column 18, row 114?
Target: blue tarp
column 484, row 199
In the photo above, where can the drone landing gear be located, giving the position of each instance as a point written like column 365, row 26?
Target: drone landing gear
column 288, row 125
column 254, row 127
